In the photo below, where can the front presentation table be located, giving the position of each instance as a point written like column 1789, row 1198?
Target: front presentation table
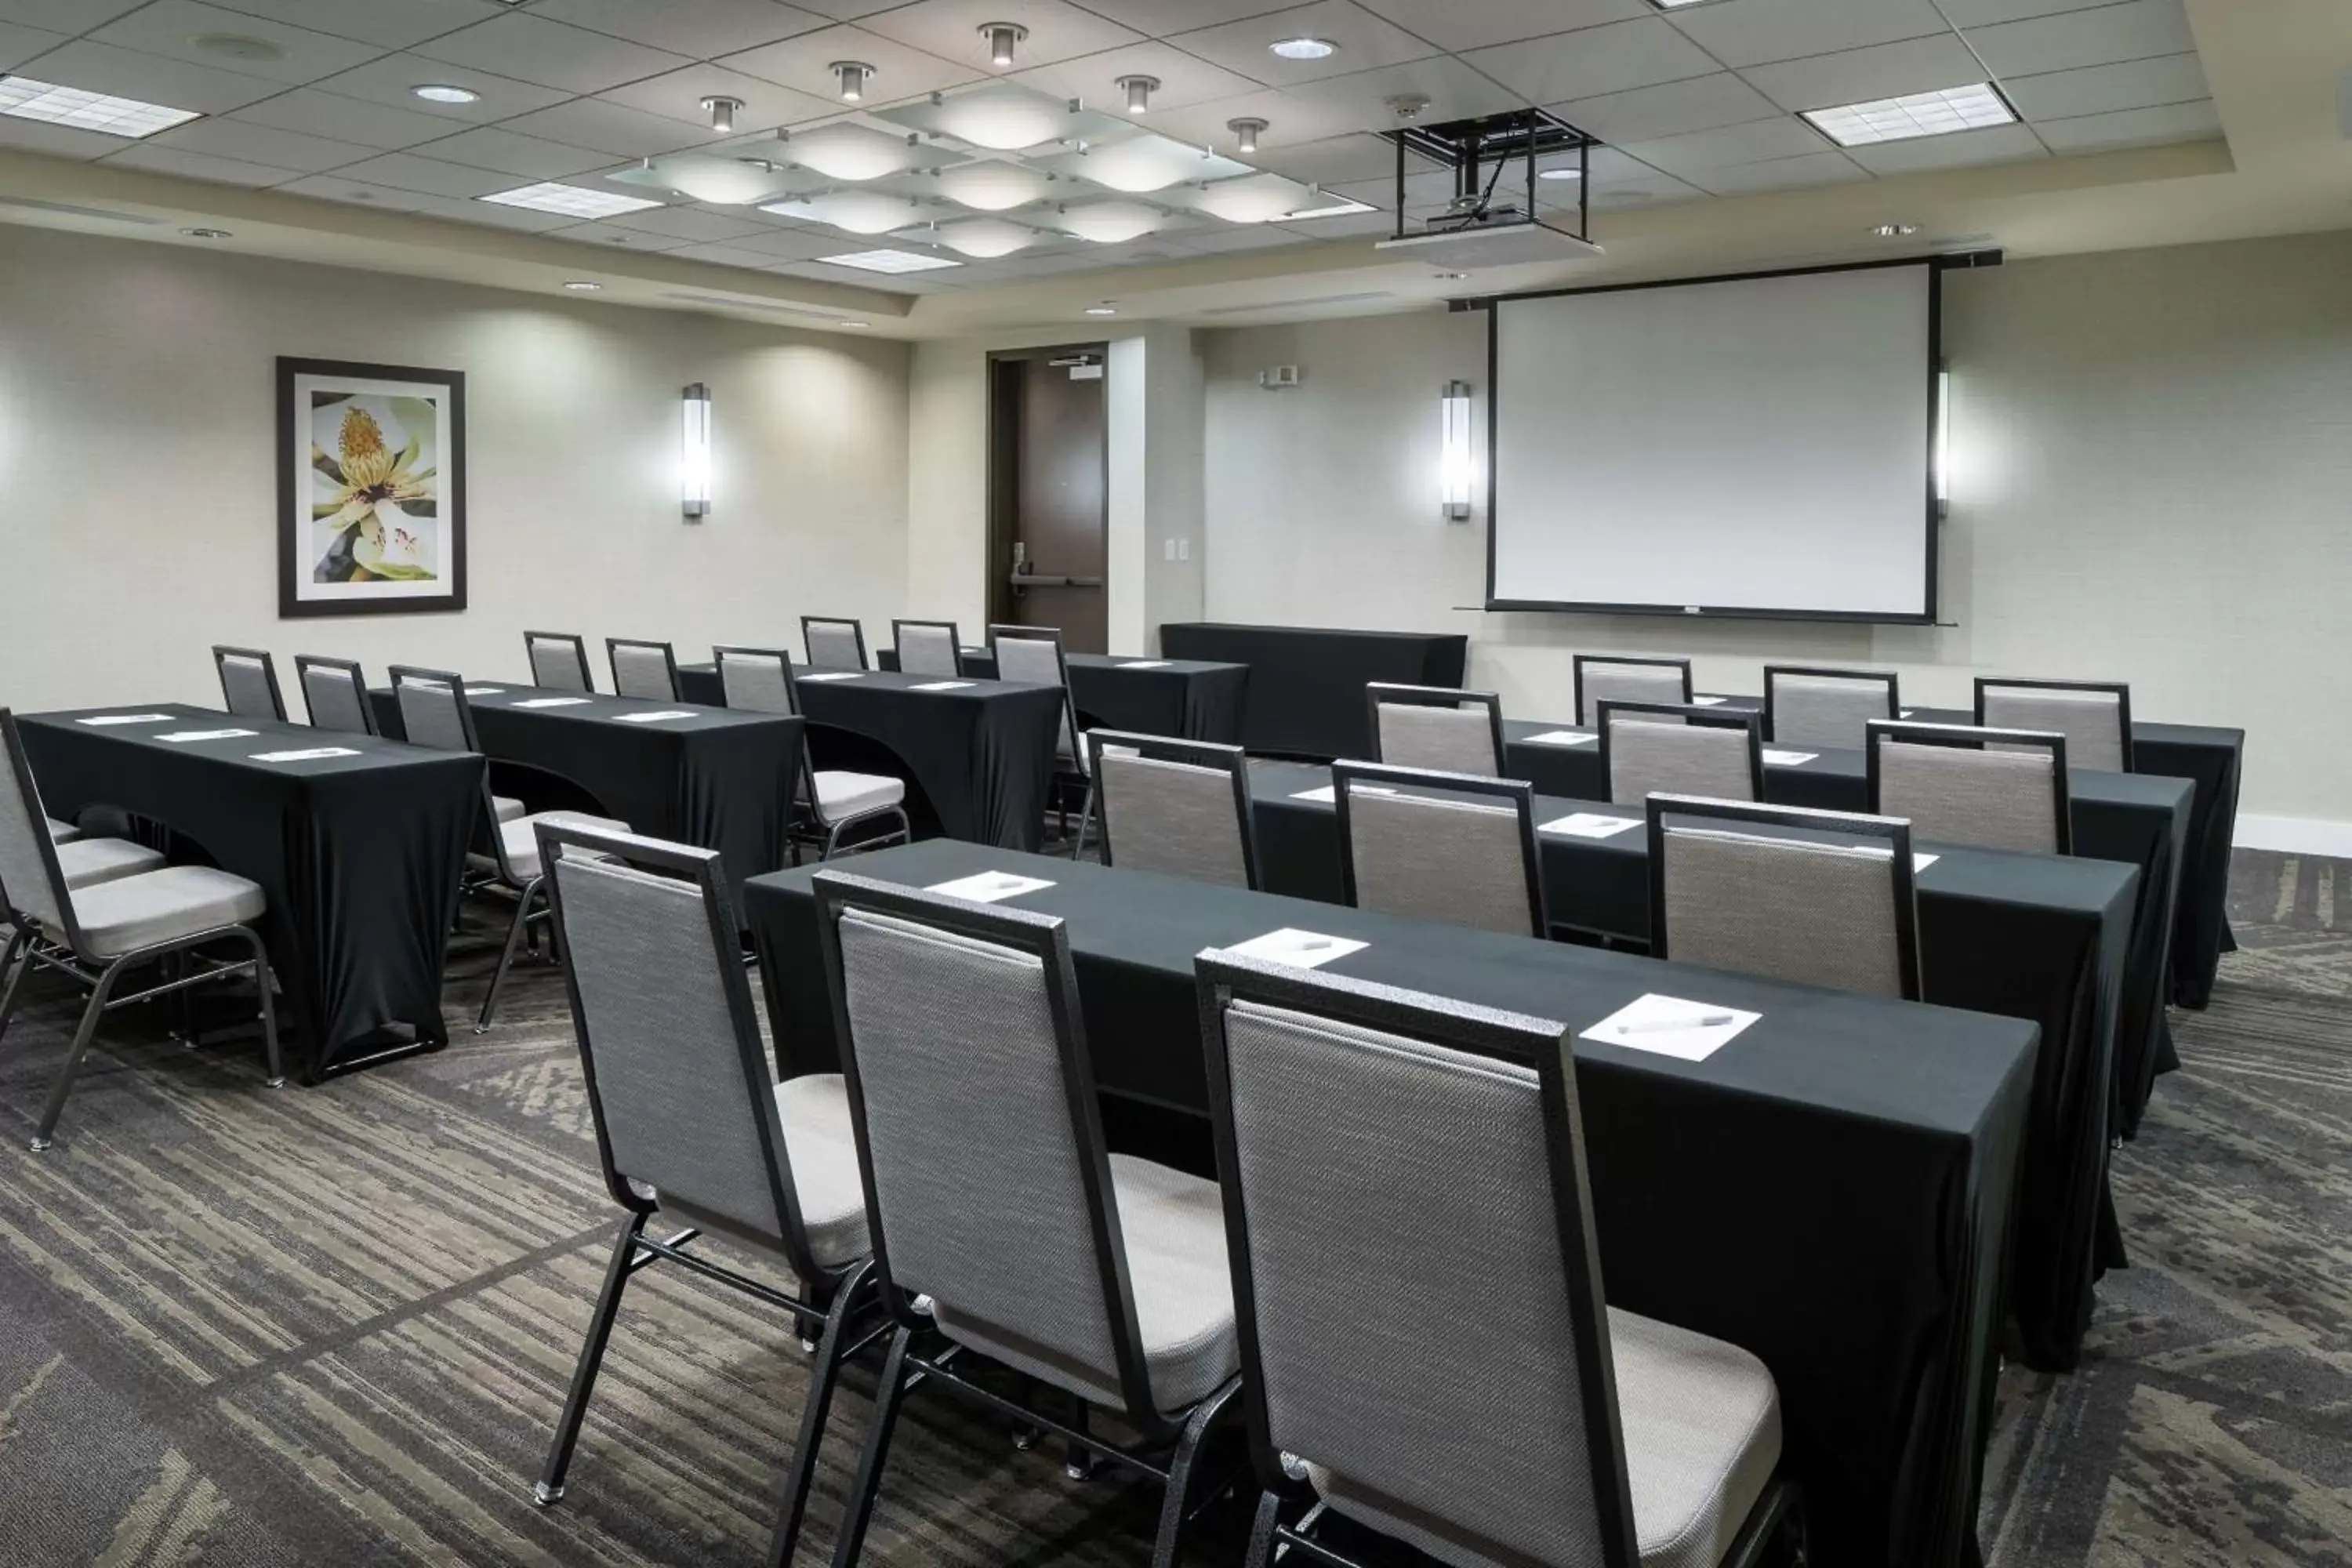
column 1307, row 683
column 1829, row 1190
column 1188, row 698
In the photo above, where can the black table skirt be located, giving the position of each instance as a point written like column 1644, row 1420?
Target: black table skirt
column 1182, row 696
column 2038, row 937
column 1829, row 1191
column 1306, row 684
column 978, row 760
column 718, row 780
column 359, row 857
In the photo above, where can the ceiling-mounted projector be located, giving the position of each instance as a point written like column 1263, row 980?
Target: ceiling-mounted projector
column 1492, row 219
column 1508, row 238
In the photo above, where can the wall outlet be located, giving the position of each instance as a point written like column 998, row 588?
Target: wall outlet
column 1183, row 550
column 1171, row 547
column 1277, row 378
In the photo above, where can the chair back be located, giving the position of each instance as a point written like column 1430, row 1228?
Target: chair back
column 1367, row 1135
column 1652, row 747
column 335, row 692
column 1745, row 888
column 1034, row 654
column 1628, row 678
column 2094, row 715
column 1465, row 861
column 757, row 679
column 1435, row 727
column 928, row 647
column 432, row 708
column 248, row 678
column 834, row 644
column 1996, row 789
column 1808, row 707
column 559, row 662
column 30, row 881
column 642, row 669
column 678, row 1079
column 988, row 1187
column 1177, row 806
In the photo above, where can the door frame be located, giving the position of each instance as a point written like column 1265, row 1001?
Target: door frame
column 1006, row 368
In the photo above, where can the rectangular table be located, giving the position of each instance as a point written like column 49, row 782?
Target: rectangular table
column 1306, row 684
column 2039, row 937
column 358, row 855
column 1190, row 697
column 1829, row 1190
column 713, row 778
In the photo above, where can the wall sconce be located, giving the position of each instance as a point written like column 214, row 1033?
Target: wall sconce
column 1455, row 464
column 1943, row 441
column 695, row 469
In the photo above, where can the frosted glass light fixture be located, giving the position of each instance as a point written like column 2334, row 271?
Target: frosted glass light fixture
column 693, row 468
column 845, row 151
column 990, row 186
column 1002, row 118
column 1109, row 223
column 1454, row 462
column 1140, row 163
column 985, row 237
column 862, row 212
column 1256, row 198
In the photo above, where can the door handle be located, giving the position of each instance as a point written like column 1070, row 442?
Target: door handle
column 1039, row 580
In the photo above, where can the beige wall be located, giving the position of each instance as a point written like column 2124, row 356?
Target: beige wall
column 138, row 452
column 2152, row 482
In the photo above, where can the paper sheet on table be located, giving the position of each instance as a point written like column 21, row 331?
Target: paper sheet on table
column 1788, row 759
column 1705, row 702
column 312, row 754
column 1906, row 713
column 988, row 887
column 1562, row 737
column 1921, row 862
column 1299, row 949
column 486, row 692
column 552, row 702
column 1144, row 664
column 1329, row 793
column 126, row 719
column 666, row 713
column 833, row 675
column 940, row 685
column 207, row 735
column 1587, row 825
column 1671, row 1026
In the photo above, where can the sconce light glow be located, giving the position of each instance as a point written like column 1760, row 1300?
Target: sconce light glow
column 694, row 470
column 1943, row 438
column 1455, row 464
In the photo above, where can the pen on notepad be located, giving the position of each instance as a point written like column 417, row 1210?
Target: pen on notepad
column 1315, row 946
column 1660, row 1025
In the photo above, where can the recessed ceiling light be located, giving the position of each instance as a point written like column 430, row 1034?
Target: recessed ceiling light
column 1105, row 309
column 1304, row 49
column 888, row 261
column 1566, row 171
column 26, row 98
column 1938, row 113
column 571, row 201
column 1894, row 230
column 208, row 234
column 582, row 286
column 852, row 76
column 445, row 93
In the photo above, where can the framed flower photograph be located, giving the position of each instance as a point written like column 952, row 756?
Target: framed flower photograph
column 371, row 489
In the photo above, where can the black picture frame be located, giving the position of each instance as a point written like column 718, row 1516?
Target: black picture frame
column 297, row 561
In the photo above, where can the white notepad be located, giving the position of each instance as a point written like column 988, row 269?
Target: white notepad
column 655, row 718
column 315, row 754
column 1587, row 825
column 1145, row 664
column 1671, row 1026
column 988, row 887
column 940, row 685
column 1705, row 702
column 1299, row 949
column 1330, row 793
column 126, row 719
column 552, row 702
column 1788, row 759
column 182, row 735
column 1562, row 737
column 1921, row 862
column 833, row 675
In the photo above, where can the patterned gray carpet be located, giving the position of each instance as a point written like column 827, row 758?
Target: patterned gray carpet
column 333, row 1326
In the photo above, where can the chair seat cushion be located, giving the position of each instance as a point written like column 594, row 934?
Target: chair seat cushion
column 507, row 808
column 521, row 839
column 821, row 1148
column 162, row 906
column 63, row 832
column 87, row 862
column 843, row 795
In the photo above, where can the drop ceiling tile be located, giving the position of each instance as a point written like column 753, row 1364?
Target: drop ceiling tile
column 737, row 255
column 1652, row 189
column 612, row 128
column 698, row 29
column 431, row 176
column 611, row 237
column 355, row 193
column 804, row 65
column 1234, row 236
column 1994, row 144
column 777, row 244
column 1669, row 109
column 1750, row 32
column 2099, row 90
column 1987, row 13
column 392, row 24
column 1335, row 160
column 529, row 48
column 2139, row 30
column 1289, row 120
column 704, row 225
column 2199, row 121
column 1686, row 157
column 1595, row 60
column 311, row 112
column 1378, row 224
column 388, row 81
column 70, row 18
column 1471, row 24
column 494, row 147
column 1365, row 42
column 678, row 95
column 55, row 141
column 1452, row 89
column 18, row 45
column 1186, row 82
column 490, row 215
column 171, row 28
column 151, row 79
column 1857, row 75
column 1825, row 168
column 847, row 10
column 950, row 29
column 223, row 138
column 199, row 166
column 1431, row 188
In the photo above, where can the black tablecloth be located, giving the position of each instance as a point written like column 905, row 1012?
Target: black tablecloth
column 1184, row 697
column 978, row 760
column 1306, row 684
column 358, row 855
column 716, row 779
column 1829, row 1191
column 2038, row 937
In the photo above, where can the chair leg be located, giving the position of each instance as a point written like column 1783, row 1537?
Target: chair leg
column 888, row 1395
column 42, row 1135
column 19, row 953
column 1086, row 816
column 592, row 1359
column 1262, row 1531
column 1080, row 1464
column 822, row 1377
column 507, row 956
column 1175, row 1507
column 262, row 982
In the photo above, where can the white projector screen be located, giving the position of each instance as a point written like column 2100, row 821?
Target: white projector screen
column 1753, row 446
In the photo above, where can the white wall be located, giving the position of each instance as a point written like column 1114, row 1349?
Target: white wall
column 2152, row 482
column 138, row 481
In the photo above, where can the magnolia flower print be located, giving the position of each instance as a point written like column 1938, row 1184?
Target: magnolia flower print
column 368, row 486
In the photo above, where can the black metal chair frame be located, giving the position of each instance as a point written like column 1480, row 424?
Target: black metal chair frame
column 1582, row 660
column 1379, row 691
column 1180, row 1436
column 1885, row 678
column 897, row 640
column 1225, row 978
column 306, row 662
column 1518, row 793
column 2121, row 690
column 1831, row 826
column 831, row 1297
column 579, row 655
column 223, row 653
column 1975, row 738
column 669, row 660
column 1229, row 760
column 1064, row 780
column 810, row 824
column 1689, row 713
column 857, row 627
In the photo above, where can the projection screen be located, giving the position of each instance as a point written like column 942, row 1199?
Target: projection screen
column 1749, row 446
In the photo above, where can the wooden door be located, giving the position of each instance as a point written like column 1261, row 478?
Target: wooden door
column 1048, row 488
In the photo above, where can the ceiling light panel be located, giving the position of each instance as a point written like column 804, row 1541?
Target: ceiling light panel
column 1000, row 117
column 1138, row 164
column 984, row 238
column 1109, row 223
column 572, row 201
column 852, row 211
column 889, row 261
column 1942, row 112
column 847, row 152
column 26, row 98
column 710, row 177
column 991, row 185
column 1254, row 198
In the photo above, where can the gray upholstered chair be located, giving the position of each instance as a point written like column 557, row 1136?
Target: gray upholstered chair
column 928, row 647
column 2094, row 715
column 1368, row 1136
column 559, row 662
column 689, row 1127
column 1466, row 857
column 96, row 929
column 1177, row 806
column 1433, row 727
column 63, row 832
column 1996, row 789
column 1817, row 898
column 833, row 807
column 834, row 644
column 504, row 858
column 1815, row 706
column 1627, row 678
column 1034, row 654
column 335, row 692
column 646, row 671
column 1647, row 747
column 248, row 678
column 990, row 1191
